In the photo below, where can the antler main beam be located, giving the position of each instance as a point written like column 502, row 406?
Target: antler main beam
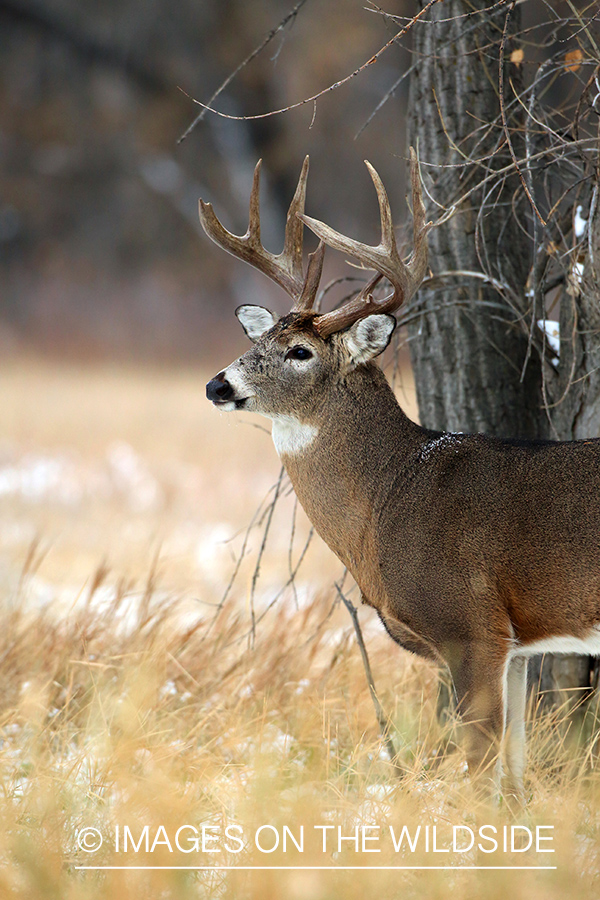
column 285, row 268
column 405, row 278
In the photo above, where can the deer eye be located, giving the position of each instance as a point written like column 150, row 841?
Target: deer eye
column 298, row 353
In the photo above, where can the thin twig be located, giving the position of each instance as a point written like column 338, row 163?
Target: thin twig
column 260, row 556
column 332, row 87
column 382, row 719
column 267, row 40
column 503, row 112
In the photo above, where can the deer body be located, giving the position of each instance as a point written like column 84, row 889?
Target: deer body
column 475, row 552
column 458, row 539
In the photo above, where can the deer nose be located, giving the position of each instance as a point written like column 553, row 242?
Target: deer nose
column 218, row 389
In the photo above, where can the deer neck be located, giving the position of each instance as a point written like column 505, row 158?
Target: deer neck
column 344, row 461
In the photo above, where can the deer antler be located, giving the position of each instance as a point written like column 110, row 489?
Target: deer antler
column 285, row 268
column 405, row 278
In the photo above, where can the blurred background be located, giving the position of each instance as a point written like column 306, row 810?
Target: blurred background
column 115, row 308
column 101, row 253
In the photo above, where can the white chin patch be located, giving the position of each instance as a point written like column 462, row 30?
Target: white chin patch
column 228, row 406
column 290, row 436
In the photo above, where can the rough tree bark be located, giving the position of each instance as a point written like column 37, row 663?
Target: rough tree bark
column 467, row 360
column 469, row 348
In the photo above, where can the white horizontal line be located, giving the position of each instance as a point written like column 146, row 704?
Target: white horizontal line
column 315, row 868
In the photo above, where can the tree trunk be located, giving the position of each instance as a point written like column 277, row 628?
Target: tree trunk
column 469, row 348
column 575, row 413
column 468, row 358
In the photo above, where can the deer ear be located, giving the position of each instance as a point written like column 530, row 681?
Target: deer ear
column 255, row 320
column 368, row 337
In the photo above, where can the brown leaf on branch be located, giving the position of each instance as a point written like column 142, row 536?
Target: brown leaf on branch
column 573, row 59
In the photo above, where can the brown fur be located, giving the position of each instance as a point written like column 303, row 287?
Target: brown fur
column 467, row 546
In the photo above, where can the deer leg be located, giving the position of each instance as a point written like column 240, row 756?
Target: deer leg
column 514, row 725
column 478, row 678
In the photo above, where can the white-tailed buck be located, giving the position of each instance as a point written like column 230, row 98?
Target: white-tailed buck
column 476, row 552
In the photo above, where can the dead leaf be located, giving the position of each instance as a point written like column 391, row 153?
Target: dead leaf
column 517, row 56
column 573, row 59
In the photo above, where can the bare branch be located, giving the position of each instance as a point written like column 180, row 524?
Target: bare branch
column 267, row 40
column 332, row 87
column 382, row 719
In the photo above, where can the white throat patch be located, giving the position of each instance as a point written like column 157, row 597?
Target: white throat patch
column 290, row 436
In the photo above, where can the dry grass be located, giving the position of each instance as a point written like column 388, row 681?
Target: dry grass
column 126, row 702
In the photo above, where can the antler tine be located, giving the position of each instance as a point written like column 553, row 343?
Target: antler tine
column 418, row 259
column 285, row 268
column 294, row 230
column 253, row 232
column 307, row 298
column 405, row 278
column 388, row 238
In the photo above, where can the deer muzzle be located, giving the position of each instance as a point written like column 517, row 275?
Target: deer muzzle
column 219, row 390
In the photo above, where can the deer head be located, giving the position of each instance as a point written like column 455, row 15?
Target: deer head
column 299, row 356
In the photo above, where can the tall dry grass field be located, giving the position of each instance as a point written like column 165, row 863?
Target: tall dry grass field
column 221, row 726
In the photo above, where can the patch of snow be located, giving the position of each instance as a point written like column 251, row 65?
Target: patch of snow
column 64, row 478
column 276, row 741
column 131, row 476
column 578, row 272
column 448, row 439
column 380, row 791
column 579, row 223
column 552, row 331
column 39, row 478
column 168, row 689
column 214, row 551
